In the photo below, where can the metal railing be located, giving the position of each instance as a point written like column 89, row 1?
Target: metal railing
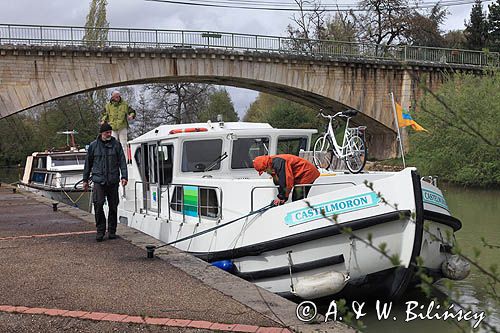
column 293, row 188
column 18, row 34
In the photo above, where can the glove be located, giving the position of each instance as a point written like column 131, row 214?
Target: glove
column 278, row 201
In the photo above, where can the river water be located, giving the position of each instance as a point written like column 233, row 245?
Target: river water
column 479, row 211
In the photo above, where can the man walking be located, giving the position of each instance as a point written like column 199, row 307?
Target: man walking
column 106, row 160
column 118, row 113
column 287, row 171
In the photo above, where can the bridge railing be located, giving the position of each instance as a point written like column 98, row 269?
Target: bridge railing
column 151, row 38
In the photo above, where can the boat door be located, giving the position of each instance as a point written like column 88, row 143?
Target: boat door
column 159, row 173
column 153, row 186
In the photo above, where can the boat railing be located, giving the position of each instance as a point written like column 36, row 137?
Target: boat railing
column 180, row 204
column 144, row 196
column 293, row 188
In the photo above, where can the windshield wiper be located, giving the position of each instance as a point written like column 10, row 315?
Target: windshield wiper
column 214, row 163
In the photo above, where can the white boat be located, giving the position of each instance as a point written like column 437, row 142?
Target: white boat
column 188, row 178
column 57, row 174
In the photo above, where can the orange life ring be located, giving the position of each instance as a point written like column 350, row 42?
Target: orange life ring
column 187, row 130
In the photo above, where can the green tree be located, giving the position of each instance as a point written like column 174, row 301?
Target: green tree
column 494, row 26
column 219, row 102
column 463, row 143
column 19, row 139
column 476, row 30
column 455, row 39
column 96, row 25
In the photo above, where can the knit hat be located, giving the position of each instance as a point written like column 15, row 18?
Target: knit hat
column 105, row 127
column 262, row 163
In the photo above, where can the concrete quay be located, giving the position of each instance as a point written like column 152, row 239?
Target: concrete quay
column 57, row 278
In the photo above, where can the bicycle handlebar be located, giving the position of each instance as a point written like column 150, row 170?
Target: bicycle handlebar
column 340, row 114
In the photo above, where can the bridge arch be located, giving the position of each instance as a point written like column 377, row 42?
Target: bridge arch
column 33, row 75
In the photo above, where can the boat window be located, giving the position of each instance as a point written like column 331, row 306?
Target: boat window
column 40, row 163
column 138, row 159
column 67, row 160
column 291, row 145
column 166, row 158
column 200, row 154
column 152, row 161
column 245, row 150
column 38, row 177
column 203, row 202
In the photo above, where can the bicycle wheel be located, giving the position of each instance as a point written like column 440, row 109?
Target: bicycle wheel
column 355, row 159
column 323, row 152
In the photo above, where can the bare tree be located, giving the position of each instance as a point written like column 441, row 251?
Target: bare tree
column 177, row 103
column 382, row 21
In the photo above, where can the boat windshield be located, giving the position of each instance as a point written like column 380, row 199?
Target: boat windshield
column 198, row 155
column 67, row 160
column 245, row 150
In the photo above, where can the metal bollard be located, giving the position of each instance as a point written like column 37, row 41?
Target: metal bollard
column 151, row 251
column 54, row 206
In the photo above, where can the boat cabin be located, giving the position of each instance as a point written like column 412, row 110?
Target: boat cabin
column 186, row 171
column 54, row 169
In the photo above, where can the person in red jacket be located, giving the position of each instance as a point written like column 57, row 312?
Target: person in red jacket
column 287, row 171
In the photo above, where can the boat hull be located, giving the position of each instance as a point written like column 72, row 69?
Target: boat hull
column 293, row 251
column 72, row 197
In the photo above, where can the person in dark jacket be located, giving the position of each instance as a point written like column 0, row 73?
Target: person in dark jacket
column 288, row 171
column 105, row 160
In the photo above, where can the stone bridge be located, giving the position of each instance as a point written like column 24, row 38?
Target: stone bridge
column 37, row 69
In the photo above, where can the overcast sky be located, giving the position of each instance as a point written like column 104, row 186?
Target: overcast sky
column 155, row 15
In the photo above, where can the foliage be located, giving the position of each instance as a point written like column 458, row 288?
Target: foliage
column 282, row 113
column 494, row 26
column 17, row 139
column 463, row 143
column 455, row 39
column 219, row 103
column 423, row 28
column 476, row 31
column 96, row 25
column 36, row 129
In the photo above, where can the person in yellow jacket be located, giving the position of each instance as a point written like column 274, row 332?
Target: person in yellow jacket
column 118, row 113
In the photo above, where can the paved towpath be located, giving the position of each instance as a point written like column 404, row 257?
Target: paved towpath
column 55, row 277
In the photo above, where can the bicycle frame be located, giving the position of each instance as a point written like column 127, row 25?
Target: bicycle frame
column 339, row 150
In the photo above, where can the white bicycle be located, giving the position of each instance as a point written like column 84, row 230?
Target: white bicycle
column 352, row 150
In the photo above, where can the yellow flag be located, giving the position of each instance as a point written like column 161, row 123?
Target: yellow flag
column 404, row 119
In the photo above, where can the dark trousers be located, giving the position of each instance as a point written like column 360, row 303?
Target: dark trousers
column 300, row 192
column 102, row 192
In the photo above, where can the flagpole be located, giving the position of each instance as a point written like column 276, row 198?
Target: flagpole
column 397, row 126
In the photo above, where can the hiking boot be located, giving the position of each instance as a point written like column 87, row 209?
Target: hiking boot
column 112, row 236
column 99, row 238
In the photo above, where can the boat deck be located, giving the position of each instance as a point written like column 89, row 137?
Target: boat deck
column 55, row 276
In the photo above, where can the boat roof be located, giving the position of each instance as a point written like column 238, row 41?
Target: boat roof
column 244, row 128
column 55, row 153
